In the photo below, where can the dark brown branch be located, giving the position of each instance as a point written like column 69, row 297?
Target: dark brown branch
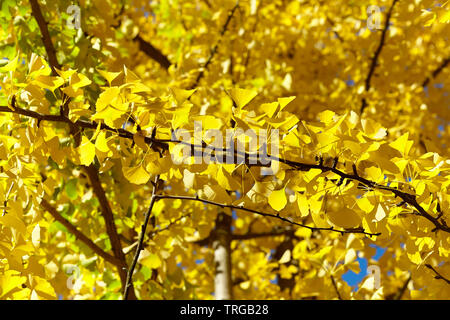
column 437, row 71
column 108, row 216
column 129, row 282
column 152, row 52
column 376, row 55
column 438, row 275
column 247, row 236
column 371, row 185
column 54, row 64
column 46, row 39
column 216, row 46
column 78, row 234
column 81, row 124
column 333, row 281
column 254, row 235
column 338, row 36
column 161, row 144
column 145, row 46
column 265, row 214
column 171, row 223
column 402, row 290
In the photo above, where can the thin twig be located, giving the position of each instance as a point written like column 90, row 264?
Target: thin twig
column 146, row 47
column 436, row 72
column 216, row 46
column 336, row 288
column 265, row 214
column 129, row 282
column 376, row 55
column 253, row 235
column 402, row 290
column 438, row 275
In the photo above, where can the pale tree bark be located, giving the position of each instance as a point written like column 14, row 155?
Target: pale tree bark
column 222, row 258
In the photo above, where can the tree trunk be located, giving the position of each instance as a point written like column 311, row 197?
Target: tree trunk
column 222, row 257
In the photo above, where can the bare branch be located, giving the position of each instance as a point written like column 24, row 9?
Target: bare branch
column 376, row 55
column 54, row 64
column 108, row 216
column 437, row 71
column 265, row 214
column 402, row 290
column 152, row 52
column 75, row 132
column 161, row 144
column 46, row 39
column 254, row 235
column 78, row 234
column 438, row 275
column 333, row 281
column 216, row 46
column 129, row 277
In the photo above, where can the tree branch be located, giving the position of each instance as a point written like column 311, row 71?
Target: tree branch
column 437, row 71
column 438, row 275
column 333, row 281
column 152, row 52
column 108, row 216
column 402, row 290
column 254, row 235
column 376, row 55
column 54, row 64
column 155, row 144
column 145, row 46
column 74, row 130
column 78, row 234
column 46, row 39
column 265, row 214
column 161, row 144
column 129, row 277
column 216, row 46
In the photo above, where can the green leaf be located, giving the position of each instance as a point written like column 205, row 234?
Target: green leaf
column 71, row 189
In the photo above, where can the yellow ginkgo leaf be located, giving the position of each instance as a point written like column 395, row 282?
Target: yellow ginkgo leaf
column 109, row 76
column 36, row 236
column 278, row 200
column 49, row 82
column 101, row 142
column 225, row 180
column 350, row 256
column 139, row 139
column 242, row 96
column 9, row 281
column 152, row 261
column 380, row 214
column 181, row 95
column 345, row 218
column 188, row 179
column 285, row 101
column 402, row 144
column 303, row 205
column 86, row 151
column 286, row 257
column 269, row 108
column 136, row 175
column 79, row 80
column 10, row 66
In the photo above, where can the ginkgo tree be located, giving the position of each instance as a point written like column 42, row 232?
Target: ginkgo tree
column 224, row 149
